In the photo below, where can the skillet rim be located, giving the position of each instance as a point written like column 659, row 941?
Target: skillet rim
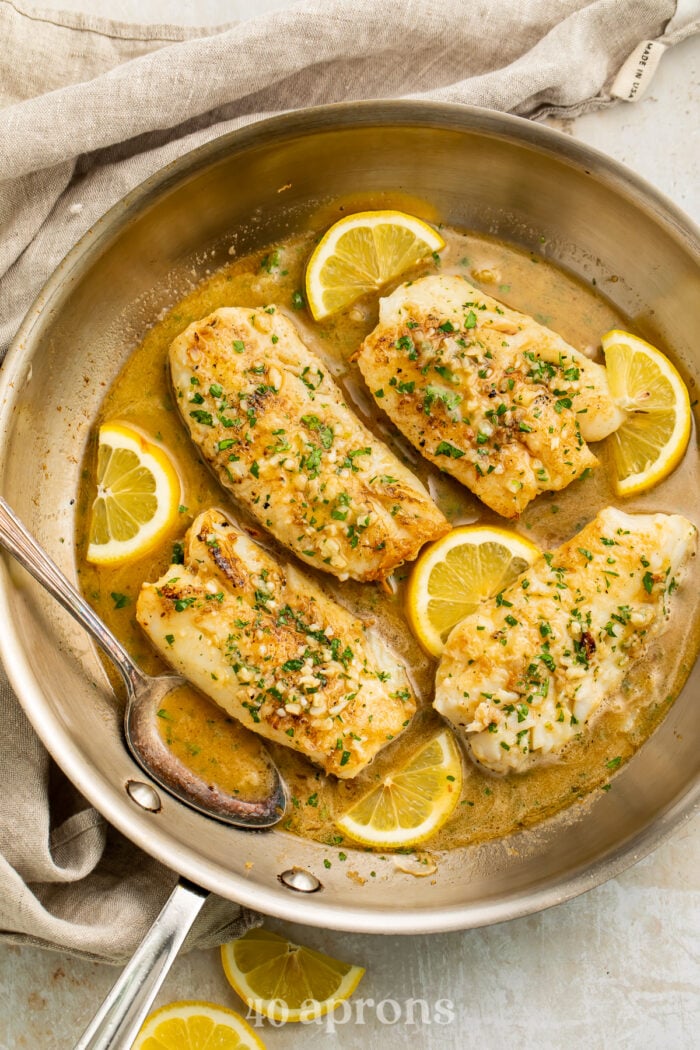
column 96, row 788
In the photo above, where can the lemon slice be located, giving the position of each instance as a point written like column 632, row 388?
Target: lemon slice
column 361, row 253
column 653, row 438
column 286, row 981
column 411, row 804
column 458, row 572
column 138, row 493
column 196, row 1026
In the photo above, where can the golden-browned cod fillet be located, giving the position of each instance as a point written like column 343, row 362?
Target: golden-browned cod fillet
column 486, row 393
column 523, row 675
column 272, row 423
column 273, row 651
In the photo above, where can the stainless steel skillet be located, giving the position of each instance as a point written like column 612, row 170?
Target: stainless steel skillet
column 478, row 169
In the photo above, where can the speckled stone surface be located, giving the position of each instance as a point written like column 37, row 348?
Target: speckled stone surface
column 615, row 969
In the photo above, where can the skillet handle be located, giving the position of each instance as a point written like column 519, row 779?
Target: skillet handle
column 117, row 1022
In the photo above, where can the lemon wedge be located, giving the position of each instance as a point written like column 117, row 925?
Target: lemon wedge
column 458, row 572
column 362, row 252
column 412, row 803
column 196, row 1026
column 285, row 981
column 138, row 494
column 653, row 438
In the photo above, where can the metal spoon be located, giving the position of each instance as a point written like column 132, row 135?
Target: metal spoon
column 144, row 697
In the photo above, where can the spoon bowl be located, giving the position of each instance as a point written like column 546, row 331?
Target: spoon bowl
column 145, row 696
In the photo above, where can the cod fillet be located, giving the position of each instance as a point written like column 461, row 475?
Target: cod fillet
column 270, row 648
column 273, row 425
column 486, row 393
column 528, row 671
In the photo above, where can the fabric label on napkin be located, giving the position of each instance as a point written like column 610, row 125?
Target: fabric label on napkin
column 638, row 71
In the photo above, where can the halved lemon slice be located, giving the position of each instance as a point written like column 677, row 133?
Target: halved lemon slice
column 138, row 493
column 653, row 438
column 361, row 253
column 196, row 1026
column 458, row 572
column 286, row 981
column 411, row 804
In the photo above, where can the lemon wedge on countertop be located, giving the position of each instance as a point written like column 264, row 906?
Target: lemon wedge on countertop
column 196, row 1026
column 286, row 981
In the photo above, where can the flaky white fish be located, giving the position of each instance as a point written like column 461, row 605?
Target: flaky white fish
column 486, row 393
column 274, row 651
column 530, row 669
column 271, row 422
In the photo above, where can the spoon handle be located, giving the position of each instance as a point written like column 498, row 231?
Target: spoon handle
column 118, row 1020
column 31, row 556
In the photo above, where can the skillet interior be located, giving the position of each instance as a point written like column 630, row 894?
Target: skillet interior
column 479, row 170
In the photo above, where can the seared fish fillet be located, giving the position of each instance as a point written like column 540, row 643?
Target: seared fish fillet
column 527, row 671
column 272, row 423
column 273, row 651
column 503, row 404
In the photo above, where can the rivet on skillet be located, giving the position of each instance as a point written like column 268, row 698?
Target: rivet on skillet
column 300, row 880
column 143, row 795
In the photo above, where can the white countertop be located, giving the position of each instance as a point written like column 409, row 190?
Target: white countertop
column 616, row 968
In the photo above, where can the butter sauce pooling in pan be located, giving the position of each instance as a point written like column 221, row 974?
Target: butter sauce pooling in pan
column 215, row 745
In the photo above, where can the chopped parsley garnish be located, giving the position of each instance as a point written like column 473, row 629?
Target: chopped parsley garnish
column 451, row 451
column 202, row 417
column 270, row 261
column 184, row 603
column 325, row 433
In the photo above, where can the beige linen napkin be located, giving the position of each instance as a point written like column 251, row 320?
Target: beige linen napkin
column 90, row 108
